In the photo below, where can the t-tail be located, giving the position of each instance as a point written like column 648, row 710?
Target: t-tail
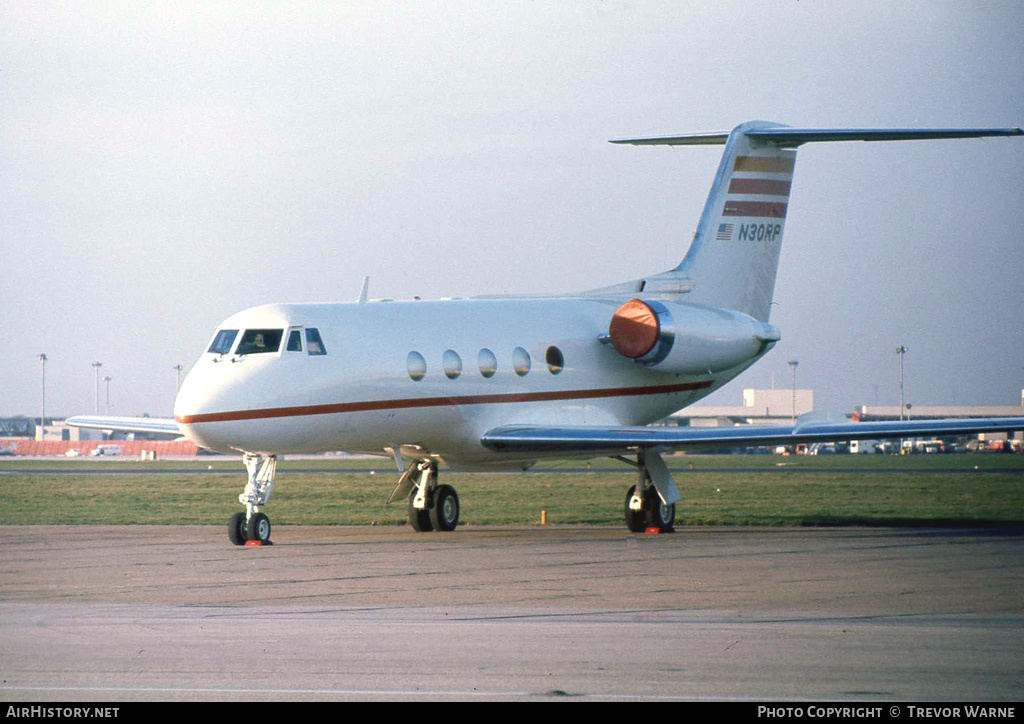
column 734, row 257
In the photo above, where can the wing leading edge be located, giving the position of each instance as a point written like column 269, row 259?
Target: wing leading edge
column 618, row 440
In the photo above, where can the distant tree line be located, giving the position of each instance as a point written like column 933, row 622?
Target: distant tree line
column 19, row 426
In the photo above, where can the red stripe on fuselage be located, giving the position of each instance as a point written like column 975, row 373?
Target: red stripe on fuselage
column 415, row 402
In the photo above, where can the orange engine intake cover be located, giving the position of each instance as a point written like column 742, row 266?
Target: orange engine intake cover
column 634, row 329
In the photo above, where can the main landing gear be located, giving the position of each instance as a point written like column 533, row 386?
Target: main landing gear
column 431, row 506
column 252, row 525
column 646, row 505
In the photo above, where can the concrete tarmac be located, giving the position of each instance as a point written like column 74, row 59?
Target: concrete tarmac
column 98, row 613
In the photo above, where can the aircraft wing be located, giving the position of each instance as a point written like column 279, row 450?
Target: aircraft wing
column 541, row 439
column 167, row 425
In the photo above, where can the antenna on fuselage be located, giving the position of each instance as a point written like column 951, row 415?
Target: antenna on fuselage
column 365, row 291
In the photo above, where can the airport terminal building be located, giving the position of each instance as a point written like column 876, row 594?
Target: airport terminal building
column 760, row 407
column 781, row 407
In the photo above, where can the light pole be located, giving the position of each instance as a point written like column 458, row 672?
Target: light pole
column 901, row 350
column 177, row 378
column 96, row 366
column 793, row 363
column 107, row 380
column 42, row 409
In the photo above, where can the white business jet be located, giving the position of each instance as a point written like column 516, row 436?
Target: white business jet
column 499, row 383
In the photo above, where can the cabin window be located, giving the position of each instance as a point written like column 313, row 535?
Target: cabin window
column 555, row 360
column 294, row 341
column 223, row 341
column 452, row 364
column 488, row 363
column 314, row 345
column 520, row 361
column 260, row 341
column 416, row 365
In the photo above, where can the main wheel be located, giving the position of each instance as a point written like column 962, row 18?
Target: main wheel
column 258, row 528
column 236, row 529
column 636, row 520
column 444, row 513
column 419, row 519
column 659, row 515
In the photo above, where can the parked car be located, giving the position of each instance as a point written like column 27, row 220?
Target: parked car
column 106, row 450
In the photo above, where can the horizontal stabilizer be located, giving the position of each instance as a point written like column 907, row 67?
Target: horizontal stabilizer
column 792, row 137
column 690, row 139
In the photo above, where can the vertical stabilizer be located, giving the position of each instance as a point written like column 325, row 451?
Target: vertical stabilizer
column 734, row 257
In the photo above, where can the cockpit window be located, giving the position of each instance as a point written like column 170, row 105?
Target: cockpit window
column 223, row 341
column 260, row 341
column 294, row 341
column 314, row 345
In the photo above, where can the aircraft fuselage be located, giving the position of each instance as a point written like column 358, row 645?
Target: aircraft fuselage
column 435, row 374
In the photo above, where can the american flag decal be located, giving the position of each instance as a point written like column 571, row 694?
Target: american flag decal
column 724, row 232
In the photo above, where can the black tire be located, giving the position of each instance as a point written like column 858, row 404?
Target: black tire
column 419, row 519
column 659, row 515
column 636, row 520
column 258, row 528
column 236, row 529
column 444, row 513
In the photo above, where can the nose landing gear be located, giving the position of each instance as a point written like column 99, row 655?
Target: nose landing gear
column 252, row 525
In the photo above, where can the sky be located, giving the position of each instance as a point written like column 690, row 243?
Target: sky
column 164, row 165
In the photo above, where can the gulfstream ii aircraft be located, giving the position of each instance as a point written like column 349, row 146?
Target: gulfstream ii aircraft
column 499, row 383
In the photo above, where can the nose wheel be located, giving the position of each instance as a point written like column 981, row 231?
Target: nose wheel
column 236, row 529
column 256, row 529
column 252, row 526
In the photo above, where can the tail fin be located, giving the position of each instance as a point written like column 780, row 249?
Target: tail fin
column 734, row 257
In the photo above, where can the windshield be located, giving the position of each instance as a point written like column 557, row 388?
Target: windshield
column 260, row 341
column 223, row 341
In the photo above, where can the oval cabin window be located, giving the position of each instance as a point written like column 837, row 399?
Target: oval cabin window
column 555, row 360
column 488, row 363
column 452, row 364
column 416, row 365
column 520, row 361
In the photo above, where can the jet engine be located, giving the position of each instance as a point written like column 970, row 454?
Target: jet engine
column 683, row 338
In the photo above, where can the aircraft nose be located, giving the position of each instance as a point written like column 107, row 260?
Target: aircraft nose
column 191, row 399
column 204, row 392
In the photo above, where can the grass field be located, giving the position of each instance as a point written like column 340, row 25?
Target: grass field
column 716, row 490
